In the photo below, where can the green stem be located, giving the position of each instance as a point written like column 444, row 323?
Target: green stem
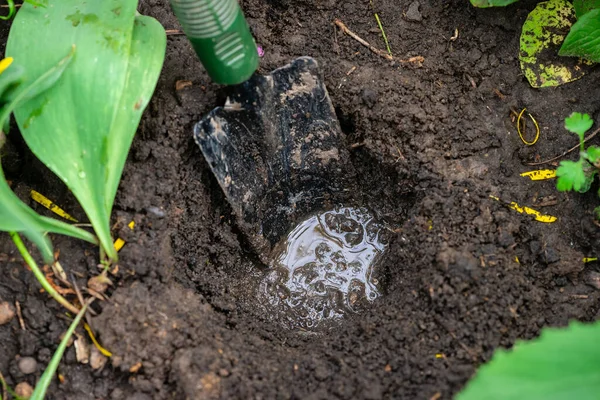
column 40, row 275
column 380, row 25
column 11, row 11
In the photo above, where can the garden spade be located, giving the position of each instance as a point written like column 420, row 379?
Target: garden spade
column 275, row 149
column 275, row 146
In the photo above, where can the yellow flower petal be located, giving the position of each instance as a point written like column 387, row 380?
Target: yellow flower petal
column 5, row 64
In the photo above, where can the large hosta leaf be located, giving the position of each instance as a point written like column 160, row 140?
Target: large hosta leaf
column 561, row 364
column 82, row 127
column 584, row 38
column 16, row 216
column 584, row 6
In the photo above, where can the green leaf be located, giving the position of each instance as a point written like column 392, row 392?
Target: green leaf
column 571, row 176
column 42, row 386
column 10, row 79
column 592, row 154
column 579, row 124
column 584, row 38
column 83, row 126
column 543, row 32
column 24, row 92
column 16, row 216
column 561, row 364
column 491, row 3
column 583, row 6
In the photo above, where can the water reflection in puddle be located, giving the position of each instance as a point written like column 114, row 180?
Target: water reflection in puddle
column 324, row 268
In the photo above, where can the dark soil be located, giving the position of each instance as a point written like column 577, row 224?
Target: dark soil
column 463, row 275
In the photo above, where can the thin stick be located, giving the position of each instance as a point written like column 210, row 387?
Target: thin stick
column 80, row 297
column 20, row 315
column 354, row 36
column 172, row 32
column 418, row 60
column 591, row 136
column 40, row 275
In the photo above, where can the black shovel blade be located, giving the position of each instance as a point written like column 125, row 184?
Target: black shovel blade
column 276, row 149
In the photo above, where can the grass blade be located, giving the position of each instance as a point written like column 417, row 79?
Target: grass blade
column 42, row 386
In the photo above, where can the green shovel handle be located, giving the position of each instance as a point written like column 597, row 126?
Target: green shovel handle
column 221, row 38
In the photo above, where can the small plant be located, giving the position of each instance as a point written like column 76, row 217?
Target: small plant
column 83, row 125
column 579, row 175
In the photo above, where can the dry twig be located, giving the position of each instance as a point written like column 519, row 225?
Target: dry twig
column 591, row 136
column 354, row 36
column 418, row 60
column 173, row 32
column 20, row 315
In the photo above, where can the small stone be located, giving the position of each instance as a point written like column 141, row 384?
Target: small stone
column 27, row 365
column 223, row 372
column 24, row 390
column 413, row 13
column 7, row 312
column 97, row 359
column 551, row 255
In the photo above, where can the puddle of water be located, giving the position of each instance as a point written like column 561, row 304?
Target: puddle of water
column 324, row 269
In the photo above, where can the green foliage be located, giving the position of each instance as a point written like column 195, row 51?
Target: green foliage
column 14, row 90
column 583, row 39
column 583, row 6
column 16, row 216
column 560, row 364
column 578, row 175
column 491, row 3
column 579, row 124
column 593, row 155
column 83, row 126
column 571, row 176
column 42, row 386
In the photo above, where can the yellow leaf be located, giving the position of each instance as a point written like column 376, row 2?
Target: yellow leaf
column 540, row 174
column 46, row 202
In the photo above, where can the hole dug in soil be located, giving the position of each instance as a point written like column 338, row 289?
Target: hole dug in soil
column 429, row 146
